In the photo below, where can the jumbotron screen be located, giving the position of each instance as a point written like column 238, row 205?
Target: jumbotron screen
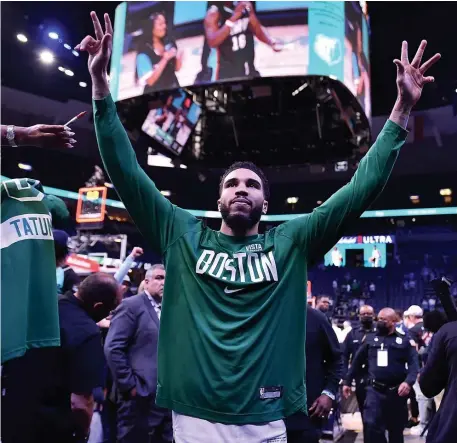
column 172, row 124
column 369, row 251
column 167, row 45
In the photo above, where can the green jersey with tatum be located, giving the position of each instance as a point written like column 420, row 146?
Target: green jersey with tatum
column 29, row 292
column 233, row 317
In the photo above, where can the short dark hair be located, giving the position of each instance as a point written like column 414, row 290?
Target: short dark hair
column 321, row 296
column 253, row 168
column 433, row 320
column 99, row 288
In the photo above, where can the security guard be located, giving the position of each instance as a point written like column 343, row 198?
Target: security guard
column 392, row 367
column 353, row 341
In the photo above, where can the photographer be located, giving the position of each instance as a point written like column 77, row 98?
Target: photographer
column 440, row 373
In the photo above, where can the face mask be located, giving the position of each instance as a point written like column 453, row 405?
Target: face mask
column 382, row 327
column 366, row 321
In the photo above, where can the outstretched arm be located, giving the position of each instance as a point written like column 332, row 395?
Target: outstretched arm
column 317, row 232
column 158, row 220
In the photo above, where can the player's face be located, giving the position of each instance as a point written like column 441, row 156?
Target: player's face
column 159, row 29
column 242, row 201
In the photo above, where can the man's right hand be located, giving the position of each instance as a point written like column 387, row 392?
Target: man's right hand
column 346, row 391
column 99, row 50
column 45, row 136
column 168, row 55
column 137, row 251
column 239, row 10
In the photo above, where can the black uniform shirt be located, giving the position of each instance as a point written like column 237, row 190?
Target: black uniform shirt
column 402, row 362
column 352, row 343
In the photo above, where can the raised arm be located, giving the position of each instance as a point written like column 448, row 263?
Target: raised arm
column 317, row 232
column 158, row 220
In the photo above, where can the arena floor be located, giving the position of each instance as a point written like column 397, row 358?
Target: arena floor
column 353, row 424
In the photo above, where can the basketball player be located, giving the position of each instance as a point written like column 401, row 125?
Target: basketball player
column 375, row 257
column 230, row 28
column 337, row 258
column 230, row 358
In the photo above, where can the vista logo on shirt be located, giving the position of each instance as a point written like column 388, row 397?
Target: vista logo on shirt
column 240, row 267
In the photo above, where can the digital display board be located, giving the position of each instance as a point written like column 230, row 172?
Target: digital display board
column 368, row 251
column 166, row 45
column 172, row 124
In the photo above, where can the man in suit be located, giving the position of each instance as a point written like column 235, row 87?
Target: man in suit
column 324, row 369
column 131, row 353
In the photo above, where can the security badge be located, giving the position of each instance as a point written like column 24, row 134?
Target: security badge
column 399, row 340
column 382, row 357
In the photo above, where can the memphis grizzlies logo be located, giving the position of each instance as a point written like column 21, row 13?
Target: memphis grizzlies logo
column 241, row 267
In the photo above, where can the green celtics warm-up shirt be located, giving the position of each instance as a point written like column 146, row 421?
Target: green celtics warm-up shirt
column 28, row 288
column 233, row 320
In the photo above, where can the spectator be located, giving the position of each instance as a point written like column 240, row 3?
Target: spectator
column 324, row 369
column 68, row 406
column 440, row 373
column 131, row 352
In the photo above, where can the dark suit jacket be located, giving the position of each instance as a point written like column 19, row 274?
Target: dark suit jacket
column 440, row 373
column 131, row 346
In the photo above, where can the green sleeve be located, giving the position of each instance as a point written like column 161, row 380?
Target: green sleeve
column 160, row 222
column 318, row 231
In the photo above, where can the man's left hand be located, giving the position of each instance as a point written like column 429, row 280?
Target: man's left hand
column 410, row 76
column 321, row 407
column 404, row 389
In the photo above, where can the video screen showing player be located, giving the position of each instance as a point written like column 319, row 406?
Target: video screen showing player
column 166, row 45
column 357, row 72
column 230, row 27
column 172, row 124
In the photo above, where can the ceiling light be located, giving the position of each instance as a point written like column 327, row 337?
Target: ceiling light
column 292, row 200
column 46, row 56
column 53, row 35
column 166, row 193
column 61, row 69
column 69, row 73
column 319, row 202
column 109, row 185
column 82, row 84
column 67, row 46
column 22, row 38
column 24, row 166
column 75, row 53
column 182, row 166
column 445, row 192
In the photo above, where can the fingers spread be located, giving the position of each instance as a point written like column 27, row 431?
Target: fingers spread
column 420, row 52
column 404, row 53
column 429, row 79
column 108, row 25
column 97, row 26
column 429, row 63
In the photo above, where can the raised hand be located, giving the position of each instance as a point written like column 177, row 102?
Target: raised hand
column 411, row 77
column 98, row 48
